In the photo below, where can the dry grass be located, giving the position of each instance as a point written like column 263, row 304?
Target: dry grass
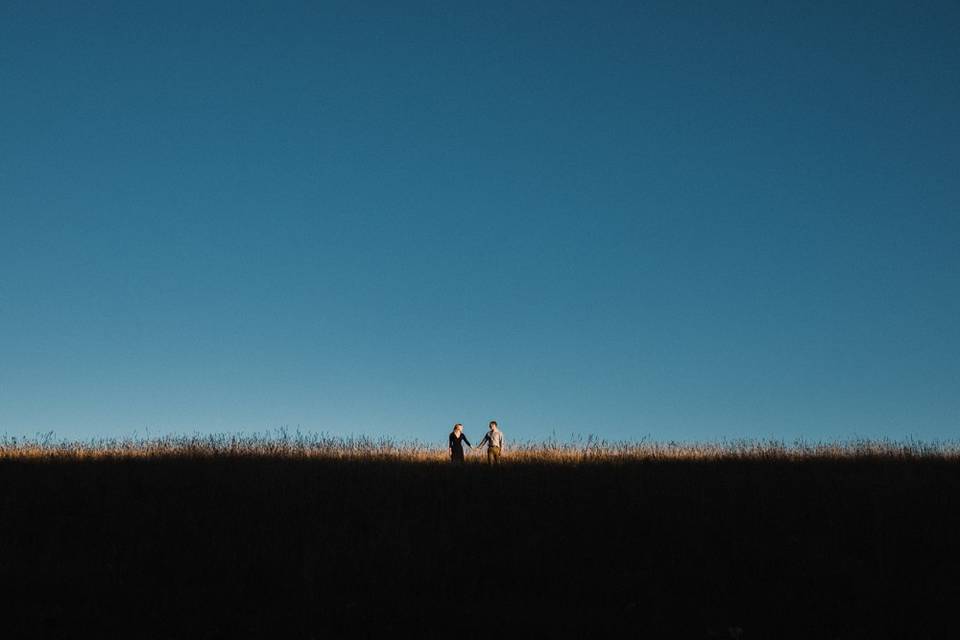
column 313, row 536
column 299, row 445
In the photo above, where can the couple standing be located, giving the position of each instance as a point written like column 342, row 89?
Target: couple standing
column 493, row 440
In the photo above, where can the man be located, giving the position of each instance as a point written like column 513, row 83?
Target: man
column 494, row 442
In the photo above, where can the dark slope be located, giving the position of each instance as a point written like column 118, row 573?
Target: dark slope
column 227, row 548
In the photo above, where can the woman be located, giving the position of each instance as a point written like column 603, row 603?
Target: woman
column 456, row 443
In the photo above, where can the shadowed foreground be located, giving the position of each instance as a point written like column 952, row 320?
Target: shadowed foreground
column 227, row 546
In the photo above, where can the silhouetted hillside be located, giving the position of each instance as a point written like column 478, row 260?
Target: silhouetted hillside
column 227, row 547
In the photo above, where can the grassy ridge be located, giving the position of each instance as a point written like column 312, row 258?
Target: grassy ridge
column 282, row 444
column 226, row 543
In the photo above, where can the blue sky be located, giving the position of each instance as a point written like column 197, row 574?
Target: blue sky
column 685, row 221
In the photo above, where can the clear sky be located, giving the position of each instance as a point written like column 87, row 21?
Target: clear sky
column 674, row 220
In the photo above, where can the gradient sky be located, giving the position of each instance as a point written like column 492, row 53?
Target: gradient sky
column 674, row 220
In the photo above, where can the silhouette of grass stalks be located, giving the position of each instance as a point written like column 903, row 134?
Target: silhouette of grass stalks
column 304, row 535
column 301, row 445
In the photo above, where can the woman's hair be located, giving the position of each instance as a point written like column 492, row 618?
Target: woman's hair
column 457, row 425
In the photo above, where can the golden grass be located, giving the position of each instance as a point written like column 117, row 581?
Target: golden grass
column 299, row 445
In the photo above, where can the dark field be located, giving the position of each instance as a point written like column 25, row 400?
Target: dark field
column 248, row 546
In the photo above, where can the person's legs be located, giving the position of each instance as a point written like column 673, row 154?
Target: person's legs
column 493, row 455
